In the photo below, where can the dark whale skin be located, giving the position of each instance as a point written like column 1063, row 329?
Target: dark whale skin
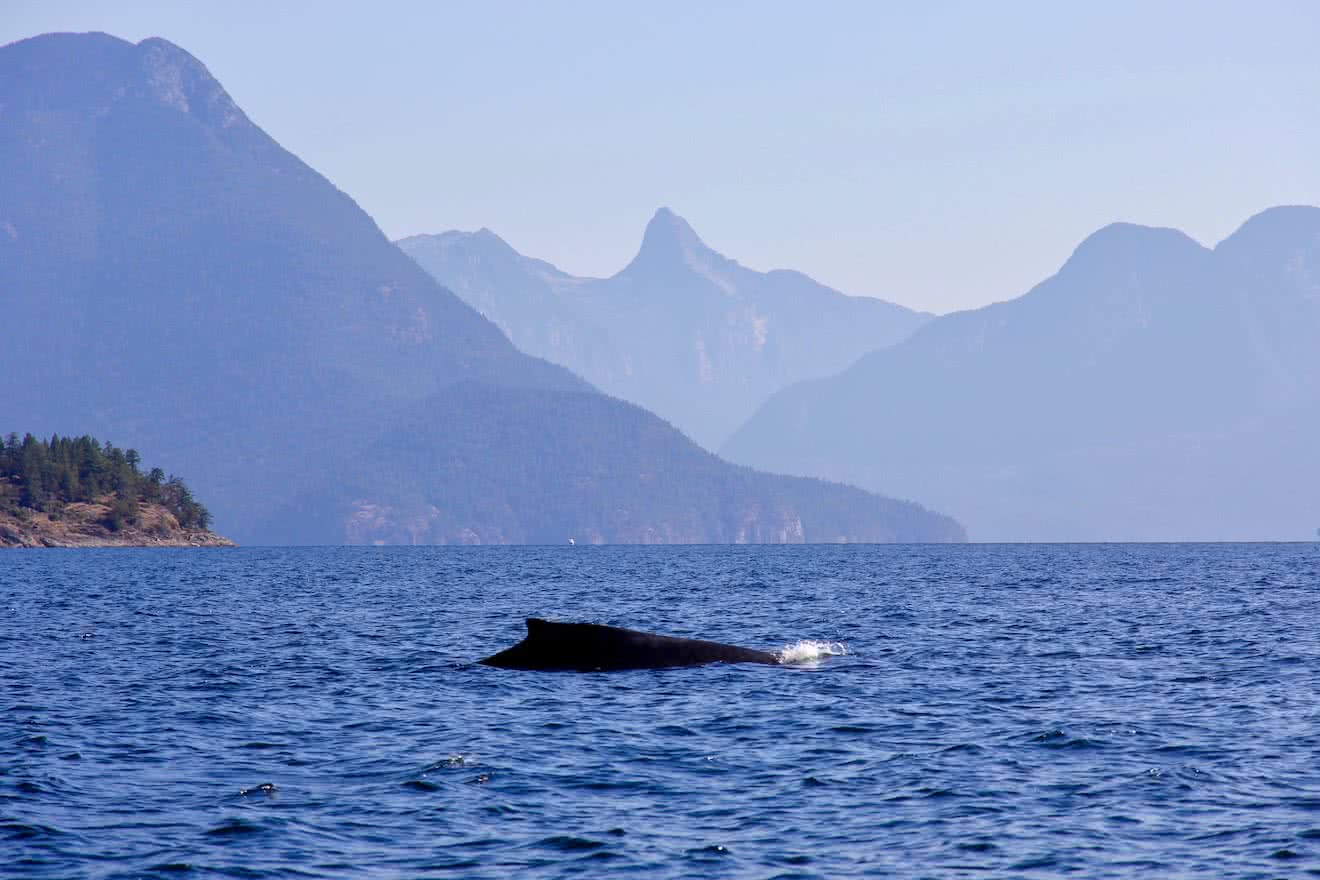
column 594, row 647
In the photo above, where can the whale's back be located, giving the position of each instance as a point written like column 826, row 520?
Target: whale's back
column 594, row 647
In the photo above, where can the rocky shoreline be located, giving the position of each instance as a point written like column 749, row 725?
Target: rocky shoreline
column 82, row 525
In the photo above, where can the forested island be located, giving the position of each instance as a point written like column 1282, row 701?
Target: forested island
column 79, row 492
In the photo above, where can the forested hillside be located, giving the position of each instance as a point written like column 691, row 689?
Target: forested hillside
column 582, row 466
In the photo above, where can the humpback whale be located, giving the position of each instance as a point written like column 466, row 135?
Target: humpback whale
column 594, row 647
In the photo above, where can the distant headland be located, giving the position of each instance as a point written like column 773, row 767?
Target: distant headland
column 79, row 492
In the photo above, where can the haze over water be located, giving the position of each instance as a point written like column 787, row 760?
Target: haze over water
column 1040, row 711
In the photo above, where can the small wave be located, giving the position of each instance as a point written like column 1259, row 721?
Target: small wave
column 24, row 831
column 568, row 843
column 421, row 785
column 809, row 651
column 234, row 826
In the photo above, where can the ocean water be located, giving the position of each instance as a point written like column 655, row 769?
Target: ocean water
column 1005, row 711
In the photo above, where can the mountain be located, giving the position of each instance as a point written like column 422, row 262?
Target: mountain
column 1153, row 389
column 174, row 278
column 681, row 330
column 588, row 467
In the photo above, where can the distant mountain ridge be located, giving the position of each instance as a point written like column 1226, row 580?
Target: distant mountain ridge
column 587, row 467
column 682, row 330
column 1153, row 389
column 175, row 279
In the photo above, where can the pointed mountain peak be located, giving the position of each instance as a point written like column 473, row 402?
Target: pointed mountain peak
column 669, row 242
column 666, row 221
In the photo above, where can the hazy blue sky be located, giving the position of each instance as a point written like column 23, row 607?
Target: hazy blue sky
column 942, row 155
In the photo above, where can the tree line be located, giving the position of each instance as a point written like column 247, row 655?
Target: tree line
column 46, row 475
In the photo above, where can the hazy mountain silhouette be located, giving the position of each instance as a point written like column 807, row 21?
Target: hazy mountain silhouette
column 1153, row 389
column 175, row 279
column 682, row 330
column 530, row 466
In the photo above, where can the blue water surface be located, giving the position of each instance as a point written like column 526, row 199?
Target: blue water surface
column 1007, row 711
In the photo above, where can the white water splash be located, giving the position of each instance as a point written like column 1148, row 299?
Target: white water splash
column 808, row 652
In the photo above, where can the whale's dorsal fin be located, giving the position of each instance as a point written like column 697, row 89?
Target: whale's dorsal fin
column 536, row 624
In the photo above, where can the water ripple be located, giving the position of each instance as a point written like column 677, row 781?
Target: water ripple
column 1106, row 711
